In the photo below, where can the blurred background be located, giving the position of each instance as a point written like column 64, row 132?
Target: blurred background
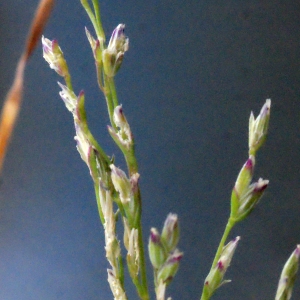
column 194, row 71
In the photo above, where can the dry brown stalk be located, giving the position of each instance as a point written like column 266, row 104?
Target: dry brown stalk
column 13, row 100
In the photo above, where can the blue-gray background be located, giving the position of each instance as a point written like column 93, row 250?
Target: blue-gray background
column 194, row 72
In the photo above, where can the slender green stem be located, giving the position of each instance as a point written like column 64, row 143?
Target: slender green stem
column 98, row 147
column 141, row 285
column 155, row 280
column 121, row 270
column 143, row 275
column 68, row 81
column 96, row 187
column 107, row 85
column 98, row 20
column 99, row 75
column 113, row 91
column 227, row 230
column 92, row 17
column 231, row 222
column 109, row 102
column 252, row 152
column 112, row 101
column 204, row 296
column 131, row 161
column 111, row 97
column 132, row 169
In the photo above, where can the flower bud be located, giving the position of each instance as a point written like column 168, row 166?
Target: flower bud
column 160, row 290
column 121, row 183
column 95, row 45
column 157, row 252
column 288, row 276
column 121, row 122
column 258, row 128
column 119, row 118
column 215, row 277
column 134, row 181
column 170, row 232
column 227, row 254
column 245, row 176
column 251, row 198
column 242, row 184
column 83, row 145
column 68, row 97
column 170, row 267
column 133, row 253
column 123, row 136
column 242, row 205
column 112, row 56
column 127, row 231
column 115, row 285
column 133, row 243
column 54, row 56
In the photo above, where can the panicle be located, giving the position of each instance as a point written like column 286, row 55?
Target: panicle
column 258, row 127
column 288, row 276
column 170, row 233
column 54, row 56
column 170, row 267
column 121, row 183
column 113, row 55
column 157, row 251
column 215, row 277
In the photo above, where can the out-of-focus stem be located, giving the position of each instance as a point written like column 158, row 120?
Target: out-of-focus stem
column 13, row 100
